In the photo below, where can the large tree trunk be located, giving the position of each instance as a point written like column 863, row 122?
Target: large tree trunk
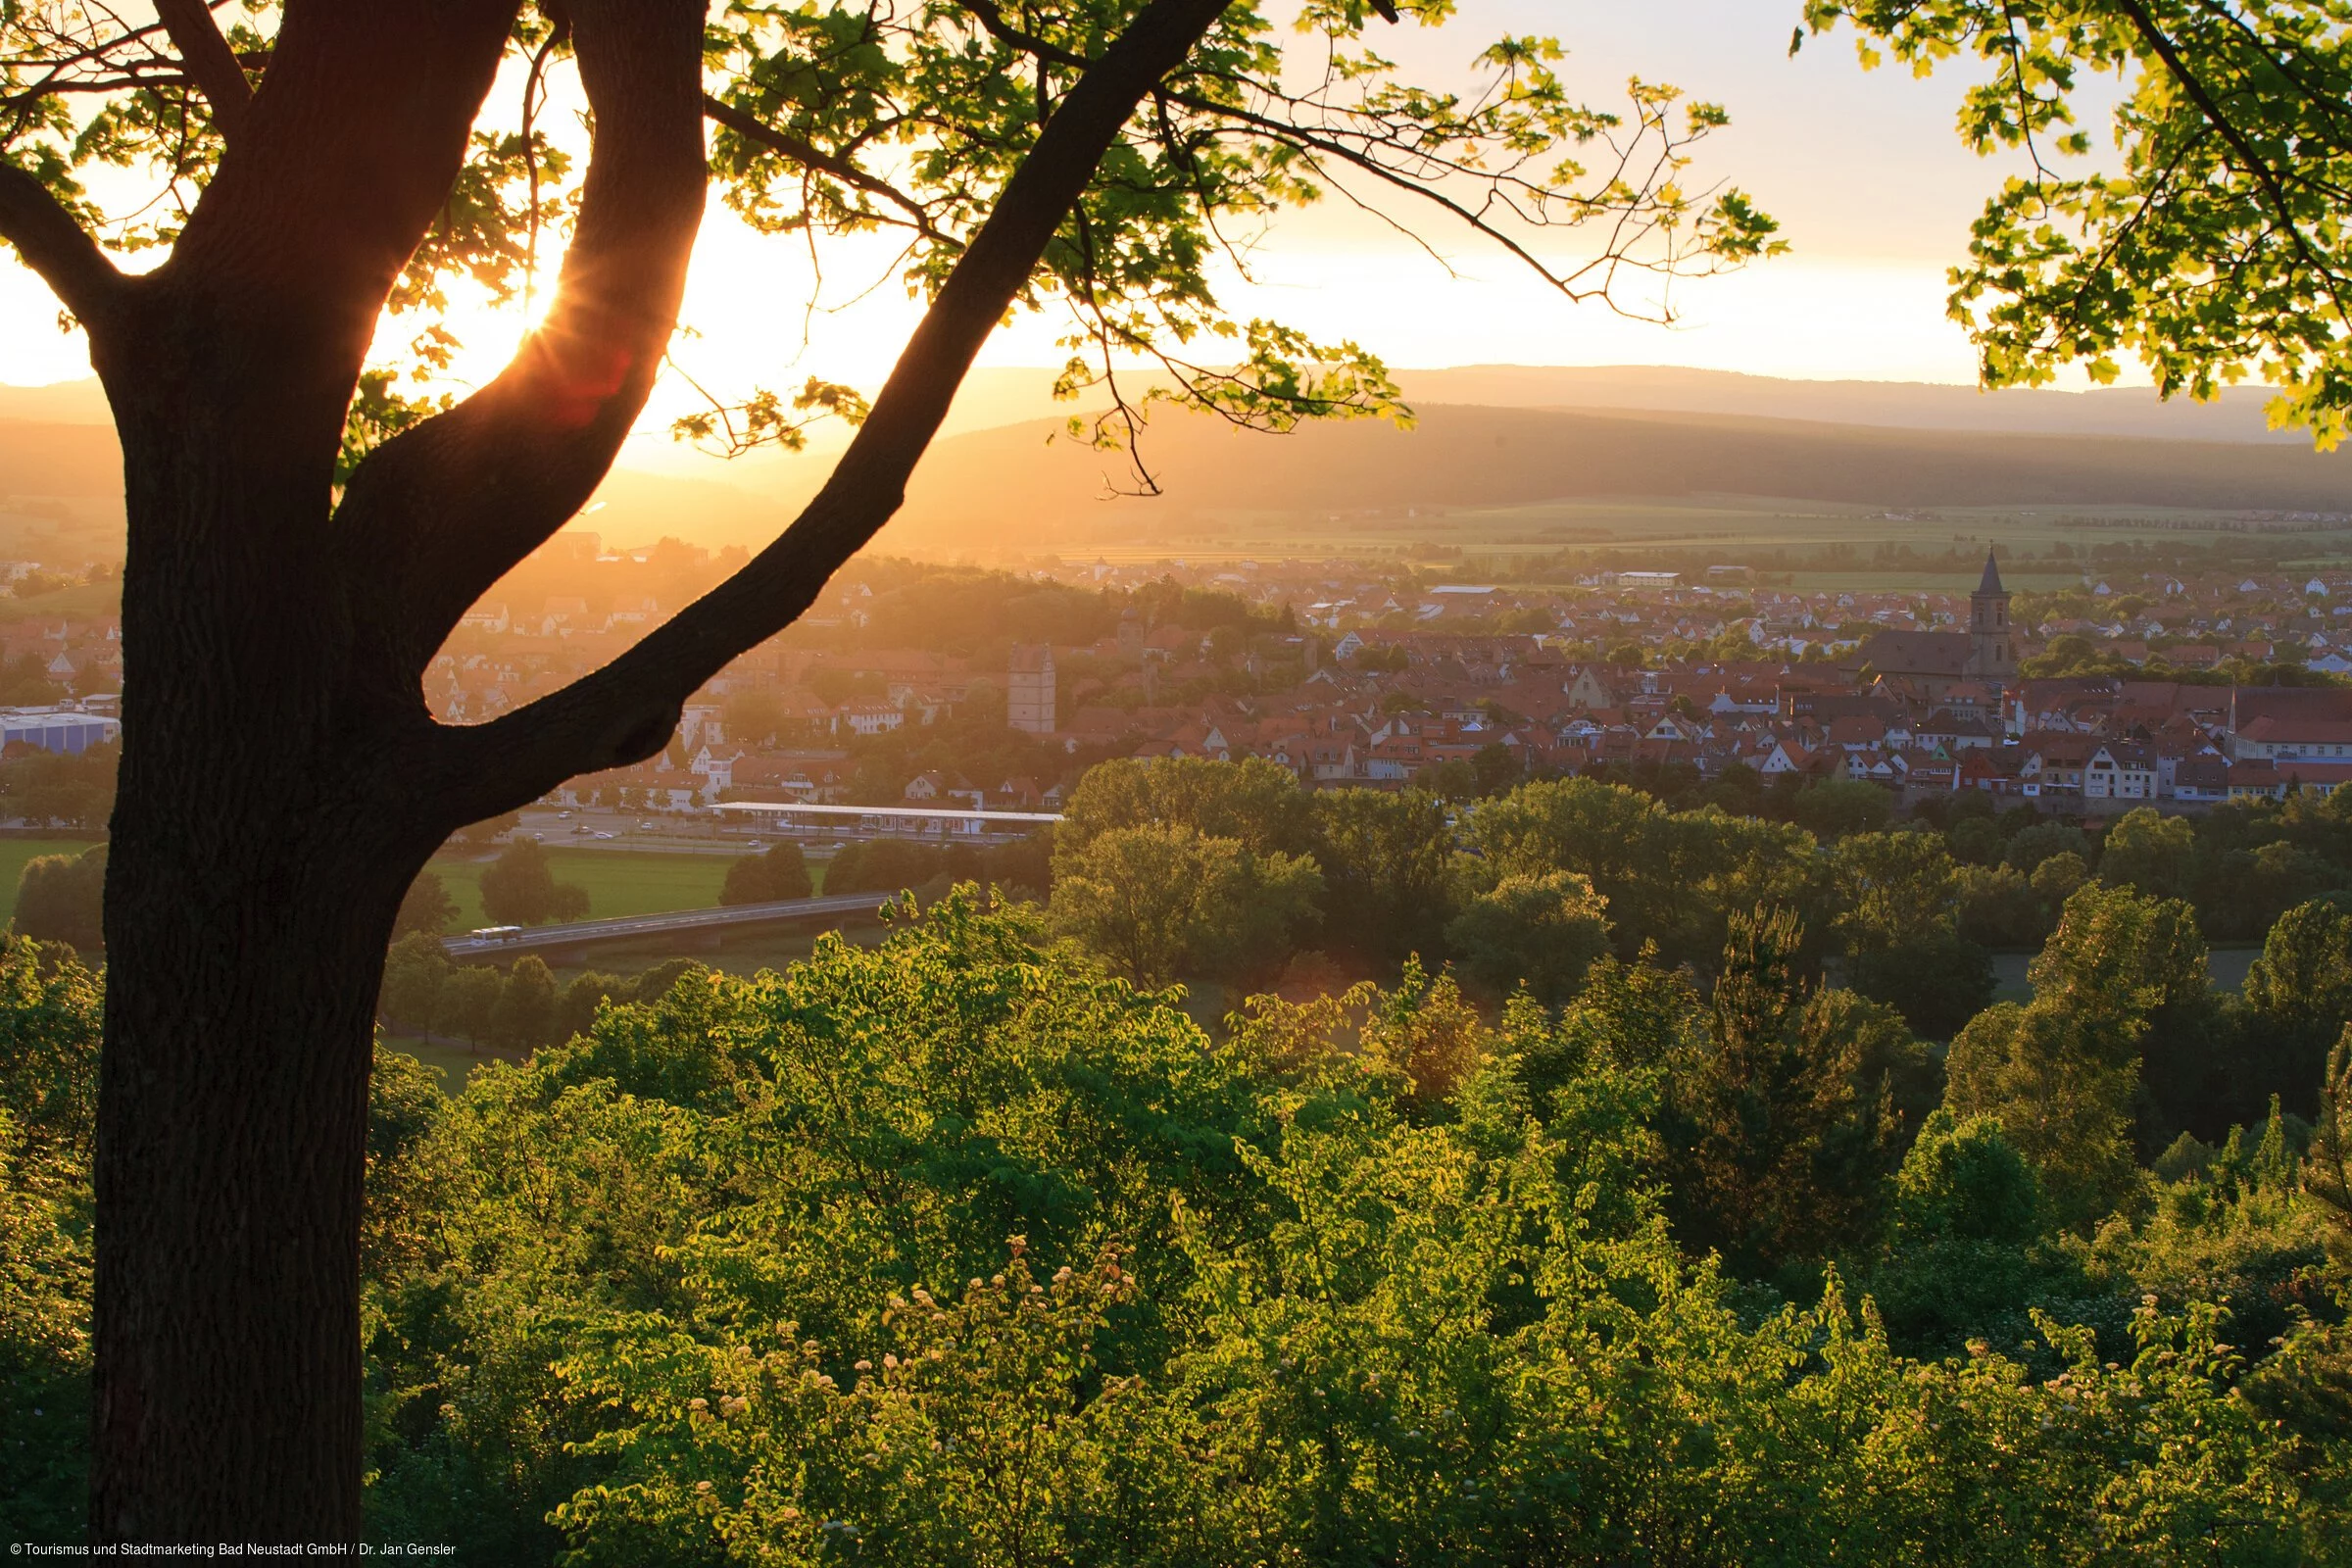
column 281, row 781
column 234, row 1091
column 278, row 789
column 257, row 863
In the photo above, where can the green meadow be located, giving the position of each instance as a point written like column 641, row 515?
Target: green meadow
column 618, row 883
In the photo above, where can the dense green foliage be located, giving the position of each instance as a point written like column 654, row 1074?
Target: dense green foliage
column 426, row 906
column 893, row 866
column 1542, row 932
column 516, row 1009
column 1189, row 869
column 1656, row 1238
column 959, row 1251
column 1162, row 900
column 49, row 1021
column 60, row 898
column 72, row 789
column 2243, row 864
column 2206, row 241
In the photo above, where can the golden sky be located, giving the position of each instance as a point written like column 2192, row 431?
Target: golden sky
column 1862, row 169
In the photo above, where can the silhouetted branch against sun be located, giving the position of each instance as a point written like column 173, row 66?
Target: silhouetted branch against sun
column 306, row 521
column 915, row 119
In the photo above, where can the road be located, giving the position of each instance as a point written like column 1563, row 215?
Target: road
column 540, row 939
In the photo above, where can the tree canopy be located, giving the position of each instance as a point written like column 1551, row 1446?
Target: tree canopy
column 2206, row 239
column 321, row 177
column 779, row 871
column 955, row 1251
column 519, row 888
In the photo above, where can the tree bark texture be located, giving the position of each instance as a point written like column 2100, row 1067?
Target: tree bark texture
column 281, row 779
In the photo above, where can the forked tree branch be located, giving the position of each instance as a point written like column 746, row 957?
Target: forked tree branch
column 438, row 513
column 210, row 64
column 625, row 711
column 59, row 250
column 342, row 165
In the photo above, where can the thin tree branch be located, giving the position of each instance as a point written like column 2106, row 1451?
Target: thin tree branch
column 211, row 65
column 625, row 711
column 1472, row 218
column 990, row 18
column 54, row 76
column 298, row 236
column 750, row 128
column 56, row 248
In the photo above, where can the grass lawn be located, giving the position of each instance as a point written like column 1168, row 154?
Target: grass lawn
column 14, row 853
column 617, row 883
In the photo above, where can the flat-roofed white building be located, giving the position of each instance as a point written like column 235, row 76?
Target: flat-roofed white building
column 56, row 729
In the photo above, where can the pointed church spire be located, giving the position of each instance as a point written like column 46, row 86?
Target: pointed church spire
column 1991, row 655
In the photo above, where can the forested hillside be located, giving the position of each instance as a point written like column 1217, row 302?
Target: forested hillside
column 1903, row 447
column 2236, row 413
column 1641, row 1237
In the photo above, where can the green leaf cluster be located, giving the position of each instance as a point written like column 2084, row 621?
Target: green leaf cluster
column 954, row 1250
column 2206, row 240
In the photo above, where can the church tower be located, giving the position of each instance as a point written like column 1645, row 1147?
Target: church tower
column 1991, row 641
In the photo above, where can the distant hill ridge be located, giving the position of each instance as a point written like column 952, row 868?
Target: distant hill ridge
column 1462, row 456
column 81, row 402
column 998, row 395
column 1488, row 435
column 2237, row 416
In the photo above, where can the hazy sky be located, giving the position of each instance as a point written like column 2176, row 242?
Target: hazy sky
column 1874, row 193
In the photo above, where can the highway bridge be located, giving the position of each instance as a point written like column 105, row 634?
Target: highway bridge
column 513, row 942
column 937, row 824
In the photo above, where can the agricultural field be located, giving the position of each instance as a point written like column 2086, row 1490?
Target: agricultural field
column 1736, row 528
